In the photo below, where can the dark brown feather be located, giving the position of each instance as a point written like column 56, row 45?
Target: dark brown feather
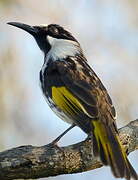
column 81, row 80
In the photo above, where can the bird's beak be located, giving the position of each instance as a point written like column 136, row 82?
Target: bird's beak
column 30, row 29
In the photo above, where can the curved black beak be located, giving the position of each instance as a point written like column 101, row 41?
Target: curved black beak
column 30, row 29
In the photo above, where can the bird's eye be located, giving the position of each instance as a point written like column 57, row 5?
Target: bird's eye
column 55, row 30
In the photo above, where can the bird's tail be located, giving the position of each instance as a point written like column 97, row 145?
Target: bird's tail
column 107, row 145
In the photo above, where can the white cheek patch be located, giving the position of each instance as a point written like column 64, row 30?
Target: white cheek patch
column 50, row 40
column 61, row 48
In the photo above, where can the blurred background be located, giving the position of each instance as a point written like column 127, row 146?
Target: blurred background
column 108, row 33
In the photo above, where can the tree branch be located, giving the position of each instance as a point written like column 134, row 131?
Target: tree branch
column 26, row 162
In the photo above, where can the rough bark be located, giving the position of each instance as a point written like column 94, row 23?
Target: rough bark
column 28, row 161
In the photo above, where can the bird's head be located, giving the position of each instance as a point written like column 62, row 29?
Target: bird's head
column 45, row 35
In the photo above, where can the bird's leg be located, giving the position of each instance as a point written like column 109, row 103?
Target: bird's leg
column 90, row 136
column 54, row 142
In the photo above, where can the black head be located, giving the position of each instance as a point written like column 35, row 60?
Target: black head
column 40, row 33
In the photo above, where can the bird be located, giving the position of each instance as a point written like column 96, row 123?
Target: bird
column 77, row 95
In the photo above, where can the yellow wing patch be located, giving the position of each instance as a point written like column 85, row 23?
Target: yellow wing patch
column 65, row 100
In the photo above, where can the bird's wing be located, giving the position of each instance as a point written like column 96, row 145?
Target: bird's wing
column 84, row 91
column 81, row 80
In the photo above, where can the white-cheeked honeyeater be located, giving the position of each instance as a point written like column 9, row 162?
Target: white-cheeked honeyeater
column 75, row 93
